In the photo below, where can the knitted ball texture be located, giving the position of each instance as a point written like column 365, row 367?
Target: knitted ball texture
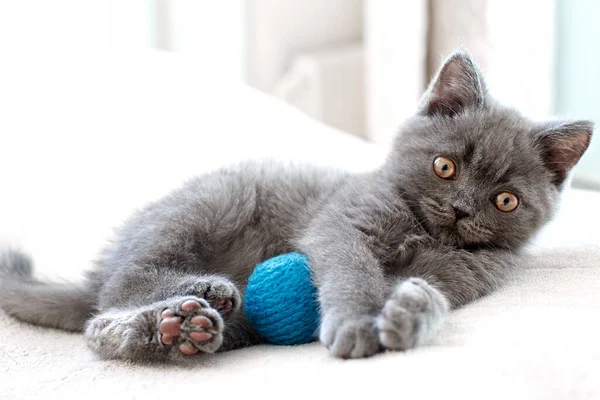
column 281, row 300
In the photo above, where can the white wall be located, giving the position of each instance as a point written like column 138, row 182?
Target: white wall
column 329, row 86
column 395, row 64
column 579, row 76
column 512, row 40
column 280, row 29
column 42, row 26
column 212, row 30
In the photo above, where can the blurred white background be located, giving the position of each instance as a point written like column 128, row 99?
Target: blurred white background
column 358, row 65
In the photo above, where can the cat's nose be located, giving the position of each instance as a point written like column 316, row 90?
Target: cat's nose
column 460, row 213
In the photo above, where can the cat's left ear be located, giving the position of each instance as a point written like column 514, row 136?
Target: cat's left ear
column 562, row 144
column 457, row 86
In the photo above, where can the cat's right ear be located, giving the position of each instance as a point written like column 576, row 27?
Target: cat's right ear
column 457, row 85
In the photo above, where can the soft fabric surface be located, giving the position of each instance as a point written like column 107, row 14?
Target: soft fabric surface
column 86, row 141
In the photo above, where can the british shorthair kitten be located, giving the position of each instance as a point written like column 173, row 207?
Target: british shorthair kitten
column 467, row 183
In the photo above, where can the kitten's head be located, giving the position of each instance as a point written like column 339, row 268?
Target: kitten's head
column 477, row 173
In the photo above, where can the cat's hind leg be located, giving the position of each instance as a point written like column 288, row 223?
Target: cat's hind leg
column 173, row 328
column 169, row 315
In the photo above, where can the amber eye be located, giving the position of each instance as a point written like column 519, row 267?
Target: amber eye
column 506, row 201
column 444, row 167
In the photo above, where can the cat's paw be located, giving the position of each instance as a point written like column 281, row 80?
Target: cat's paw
column 411, row 316
column 192, row 326
column 221, row 293
column 350, row 338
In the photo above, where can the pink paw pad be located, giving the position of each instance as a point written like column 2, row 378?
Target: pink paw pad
column 170, row 327
column 190, row 305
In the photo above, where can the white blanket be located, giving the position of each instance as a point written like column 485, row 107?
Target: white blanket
column 86, row 141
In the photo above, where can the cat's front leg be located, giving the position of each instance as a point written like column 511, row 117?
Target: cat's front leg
column 352, row 289
column 350, row 297
column 440, row 279
column 350, row 336
column 412, row 315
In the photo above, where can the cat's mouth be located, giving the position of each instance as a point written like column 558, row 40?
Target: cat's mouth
column 472, row 232
column 443, row 222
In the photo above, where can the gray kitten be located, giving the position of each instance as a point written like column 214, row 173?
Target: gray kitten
column 466, row 185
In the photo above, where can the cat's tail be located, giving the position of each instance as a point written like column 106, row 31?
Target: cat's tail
column 57, row 305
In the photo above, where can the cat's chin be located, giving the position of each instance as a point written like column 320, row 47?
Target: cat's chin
column 445, row 234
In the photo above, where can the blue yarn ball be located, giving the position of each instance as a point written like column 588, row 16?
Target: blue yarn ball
column 281, row 300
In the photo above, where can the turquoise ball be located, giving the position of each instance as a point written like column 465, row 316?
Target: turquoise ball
column 281, row 301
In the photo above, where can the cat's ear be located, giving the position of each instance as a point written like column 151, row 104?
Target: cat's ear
column 457, row 85
column 562, row 144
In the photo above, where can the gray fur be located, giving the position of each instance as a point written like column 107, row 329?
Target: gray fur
column 56, row 305
column 412, row 314
column 17, row 264
column 132, row 333
column 388, row 254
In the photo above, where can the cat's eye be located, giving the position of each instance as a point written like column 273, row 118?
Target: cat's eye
column 444, row 167
column 506, row 201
